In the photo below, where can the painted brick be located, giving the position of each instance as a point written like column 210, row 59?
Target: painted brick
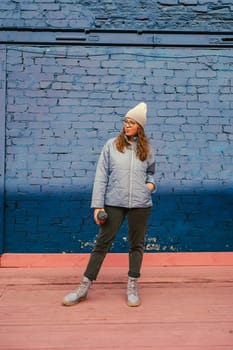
column 61, row 110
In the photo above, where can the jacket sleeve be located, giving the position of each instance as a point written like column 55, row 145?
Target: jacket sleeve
column 101, row 179
column 151, row 169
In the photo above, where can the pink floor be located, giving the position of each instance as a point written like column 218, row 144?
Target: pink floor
column 183, row 308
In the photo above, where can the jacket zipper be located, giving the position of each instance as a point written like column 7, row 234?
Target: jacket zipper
column 131, row 177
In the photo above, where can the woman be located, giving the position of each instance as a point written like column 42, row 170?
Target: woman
column 123, row 185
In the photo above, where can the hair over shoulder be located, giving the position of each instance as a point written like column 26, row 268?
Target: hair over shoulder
column 143, row 148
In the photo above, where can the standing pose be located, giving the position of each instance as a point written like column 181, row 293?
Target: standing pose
column 123, row 185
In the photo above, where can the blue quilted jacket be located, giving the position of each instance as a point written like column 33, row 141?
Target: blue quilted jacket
column 121, row 178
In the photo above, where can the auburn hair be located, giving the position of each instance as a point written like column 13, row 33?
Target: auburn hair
column 143, row 148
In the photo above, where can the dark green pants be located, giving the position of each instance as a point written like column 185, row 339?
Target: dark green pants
column 137, row 225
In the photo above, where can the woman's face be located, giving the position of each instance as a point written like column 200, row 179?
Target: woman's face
column 130, row 128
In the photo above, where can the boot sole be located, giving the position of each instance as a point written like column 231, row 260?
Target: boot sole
column 133, row 304
column 71, row 303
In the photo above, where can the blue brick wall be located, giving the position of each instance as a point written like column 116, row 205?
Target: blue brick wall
column 215, row 15
column 2, row 140
column 63, row 103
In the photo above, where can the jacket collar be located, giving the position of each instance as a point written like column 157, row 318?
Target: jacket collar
column 135, row 139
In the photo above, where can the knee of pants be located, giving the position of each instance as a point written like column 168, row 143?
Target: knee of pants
column 102, row 247
column 138, row 249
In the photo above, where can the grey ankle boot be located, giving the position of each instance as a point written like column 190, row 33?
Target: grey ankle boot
column 132, row 292
column 79, row 294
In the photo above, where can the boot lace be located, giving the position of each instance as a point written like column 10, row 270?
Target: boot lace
column 132, row 287
column 82, row 288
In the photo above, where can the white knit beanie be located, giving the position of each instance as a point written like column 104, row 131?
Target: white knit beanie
column 138, row 113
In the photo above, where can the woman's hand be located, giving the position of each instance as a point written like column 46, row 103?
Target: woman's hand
column 96, row 211
column 150, row 186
